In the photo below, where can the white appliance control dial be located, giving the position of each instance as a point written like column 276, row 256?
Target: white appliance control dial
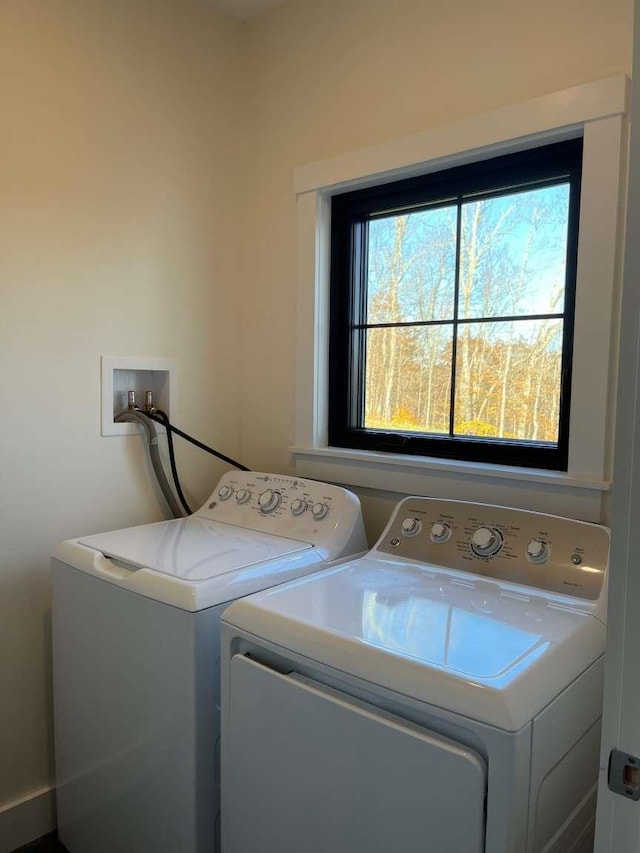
column 486, row 541
column 537, row 551
column 225, row 492
column 298, row 506
column 440, row 532
column 411, row 526
column 269, row 500
column 243, row 496
column 319, row 511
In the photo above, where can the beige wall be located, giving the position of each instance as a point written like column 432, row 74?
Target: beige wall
column 127, row 128
column 118, row 225
column 331, row 76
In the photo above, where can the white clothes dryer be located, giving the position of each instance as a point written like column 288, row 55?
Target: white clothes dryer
column 441, row 693
column 136, row 654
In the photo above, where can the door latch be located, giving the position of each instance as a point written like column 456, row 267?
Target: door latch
column 624, row 774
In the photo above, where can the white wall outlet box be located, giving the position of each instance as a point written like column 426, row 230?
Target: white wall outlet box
column 123, row 374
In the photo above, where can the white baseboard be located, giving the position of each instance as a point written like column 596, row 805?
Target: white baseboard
column 25, row 820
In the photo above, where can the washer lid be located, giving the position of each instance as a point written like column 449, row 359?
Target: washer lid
column 193, row 548
column 191, row 563
column 465, row 644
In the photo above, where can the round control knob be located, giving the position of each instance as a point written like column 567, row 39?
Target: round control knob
column 486, row 541
column 243, row 496
column 411, row 526
column 440, row 532
column 319, row 511
column 298, row 506
column 225, row 492
column 537, row 551
column 269, row 500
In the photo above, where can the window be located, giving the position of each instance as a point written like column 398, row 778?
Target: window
column 595, row 111
column 452, row 311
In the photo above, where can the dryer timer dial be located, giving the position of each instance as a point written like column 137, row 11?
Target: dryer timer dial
column 486, row 541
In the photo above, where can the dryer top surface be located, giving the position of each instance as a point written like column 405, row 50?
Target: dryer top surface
column 477, row 647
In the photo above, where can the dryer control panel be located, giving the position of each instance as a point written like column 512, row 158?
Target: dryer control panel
column 546, row 552
column 321, row 514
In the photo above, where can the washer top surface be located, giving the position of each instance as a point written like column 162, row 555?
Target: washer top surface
column 192, row 549
column 191, row 563
column 254, row 531
column 464, row 638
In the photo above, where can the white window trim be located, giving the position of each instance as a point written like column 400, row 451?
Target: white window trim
column 595, row 110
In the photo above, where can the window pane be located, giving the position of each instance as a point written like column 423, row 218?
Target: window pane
column 408, row 379
column 508, row 380
column 412, row 296
column 411, row 267
column 513, row 254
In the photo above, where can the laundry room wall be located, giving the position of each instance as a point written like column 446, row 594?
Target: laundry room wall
column 147, row 209
column 119, row 155
column 331, row 77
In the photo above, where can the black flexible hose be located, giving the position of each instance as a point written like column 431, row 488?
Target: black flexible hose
column 158, row 416
column 164, row 420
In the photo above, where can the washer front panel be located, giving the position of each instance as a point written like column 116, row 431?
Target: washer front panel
column 546, row 552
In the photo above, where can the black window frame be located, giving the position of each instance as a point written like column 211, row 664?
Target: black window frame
column 350, row 211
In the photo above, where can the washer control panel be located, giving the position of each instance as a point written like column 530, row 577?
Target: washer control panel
column 324, row 515
column 547, row 552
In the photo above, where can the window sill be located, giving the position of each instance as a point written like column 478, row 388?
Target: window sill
column 394, row 472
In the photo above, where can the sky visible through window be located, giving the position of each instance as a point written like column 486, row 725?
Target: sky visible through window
column 499, row 343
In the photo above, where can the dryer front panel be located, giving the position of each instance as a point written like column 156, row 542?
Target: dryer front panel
column 306, row 767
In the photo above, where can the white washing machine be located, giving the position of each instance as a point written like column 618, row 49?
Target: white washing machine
column 136, row 654
column 442, row 693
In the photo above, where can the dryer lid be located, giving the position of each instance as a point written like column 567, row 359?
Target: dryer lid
column 458, row 642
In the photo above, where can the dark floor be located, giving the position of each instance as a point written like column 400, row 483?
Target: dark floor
column 46, row 844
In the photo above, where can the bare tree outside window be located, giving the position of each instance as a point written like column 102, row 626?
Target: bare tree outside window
column 495, row 338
